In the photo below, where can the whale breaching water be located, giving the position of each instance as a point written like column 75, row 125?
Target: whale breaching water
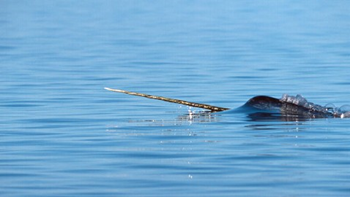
column 265, row 106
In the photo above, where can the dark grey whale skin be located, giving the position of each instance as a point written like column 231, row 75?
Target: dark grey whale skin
column 269, row 108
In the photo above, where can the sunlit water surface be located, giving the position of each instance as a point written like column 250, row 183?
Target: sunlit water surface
column 62, row 134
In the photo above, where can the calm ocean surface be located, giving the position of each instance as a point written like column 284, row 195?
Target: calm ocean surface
column 62, row 134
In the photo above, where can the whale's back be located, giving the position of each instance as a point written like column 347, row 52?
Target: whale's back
column 265, row 107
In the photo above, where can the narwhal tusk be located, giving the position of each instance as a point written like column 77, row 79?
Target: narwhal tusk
column 182, row 102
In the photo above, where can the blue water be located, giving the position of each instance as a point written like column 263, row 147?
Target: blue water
column 62, row 134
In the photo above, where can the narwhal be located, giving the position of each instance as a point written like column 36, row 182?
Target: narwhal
column 265, row 107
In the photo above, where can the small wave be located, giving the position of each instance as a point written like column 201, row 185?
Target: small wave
column 332, row 110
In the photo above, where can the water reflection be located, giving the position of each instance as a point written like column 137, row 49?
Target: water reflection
column 199, row 117
column 208, row 117
column 254, row 121
column 262, row 116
